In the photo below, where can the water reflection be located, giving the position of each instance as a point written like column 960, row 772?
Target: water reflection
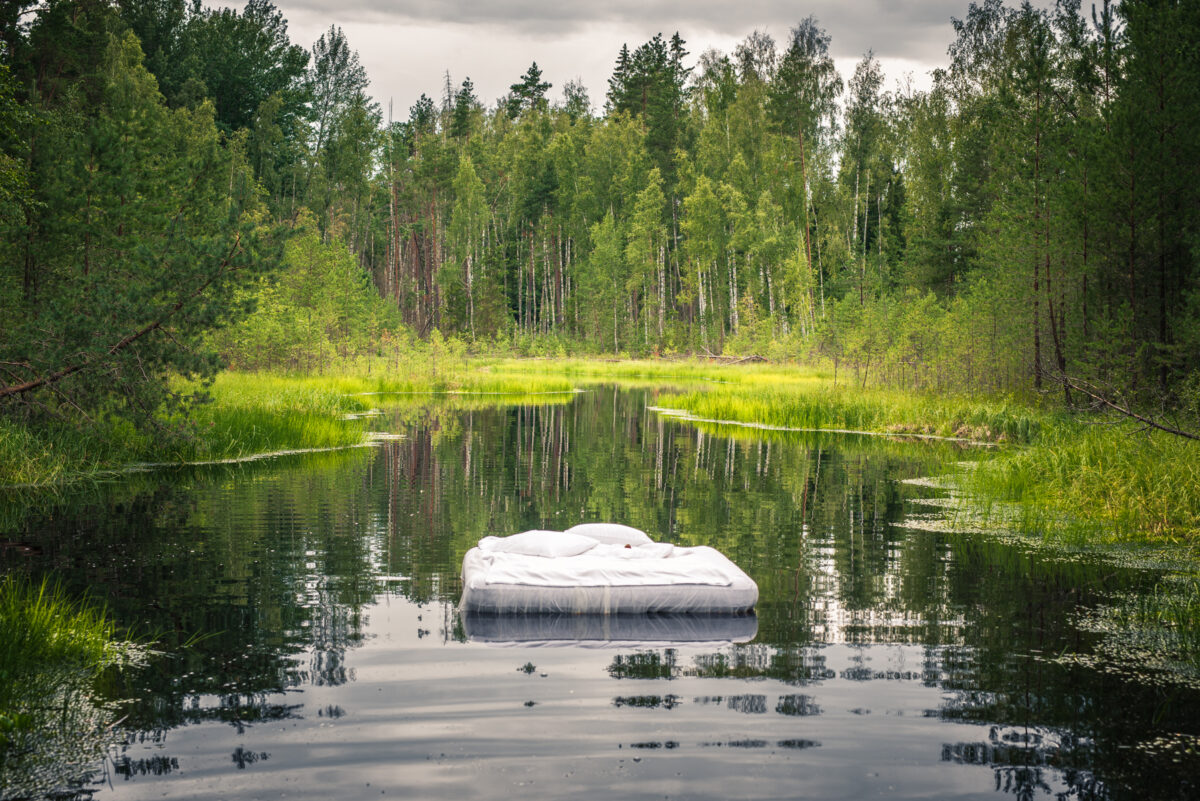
column 562, row 629
column 310, row 597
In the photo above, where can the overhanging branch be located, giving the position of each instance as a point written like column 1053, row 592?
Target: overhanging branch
column 27, row 386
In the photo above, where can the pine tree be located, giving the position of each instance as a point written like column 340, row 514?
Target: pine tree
column 529, row 93
column 149, row 228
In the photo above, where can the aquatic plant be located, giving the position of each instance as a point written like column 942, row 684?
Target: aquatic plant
column 53, row 650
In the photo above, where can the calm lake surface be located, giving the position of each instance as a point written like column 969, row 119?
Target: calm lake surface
column 307, row 608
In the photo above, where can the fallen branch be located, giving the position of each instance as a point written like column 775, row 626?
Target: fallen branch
column 1093, row 393
column 754, row 357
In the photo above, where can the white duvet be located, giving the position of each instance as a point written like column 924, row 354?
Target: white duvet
column 606, row 566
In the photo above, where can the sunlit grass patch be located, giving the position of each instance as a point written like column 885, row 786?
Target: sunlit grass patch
column 658, row 372
column 809, row 404
column 1119, row 485
column 53, row 650
column 483, row 377
column 41, row 627
column 257, row 413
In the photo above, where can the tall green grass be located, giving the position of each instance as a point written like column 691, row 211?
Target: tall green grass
column 817, row 407
column 1106, row 483
column 56, row 453
column 53, row 650
column 41, row 630
column 337, row 394
column 248, row 414
column 256, row 413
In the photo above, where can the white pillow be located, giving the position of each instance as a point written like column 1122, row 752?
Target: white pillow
column 611, row 533
column 539, row 543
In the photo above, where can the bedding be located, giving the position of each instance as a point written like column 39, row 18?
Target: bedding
column 611, row 533
column 574, row 573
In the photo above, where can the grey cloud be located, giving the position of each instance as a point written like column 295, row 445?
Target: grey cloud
column 892, row 28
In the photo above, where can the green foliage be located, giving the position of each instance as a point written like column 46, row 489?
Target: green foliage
column 14, row 177
column 148, row 223
column 528, row 94
column 318, row 309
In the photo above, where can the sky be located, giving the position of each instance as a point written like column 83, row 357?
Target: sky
column 407, row 46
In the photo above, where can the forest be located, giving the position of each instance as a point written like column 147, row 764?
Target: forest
column 184, row 189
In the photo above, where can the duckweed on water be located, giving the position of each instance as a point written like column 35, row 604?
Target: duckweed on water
column 1154, row 638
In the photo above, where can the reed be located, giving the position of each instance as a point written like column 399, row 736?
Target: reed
column 256, row 413
column 39, row 624
column 54, row 651
column 44, row 636
column 1105, row 483
column 43, row 456
column 820, row 407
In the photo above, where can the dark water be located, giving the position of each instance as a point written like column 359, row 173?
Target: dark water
column 306, row 610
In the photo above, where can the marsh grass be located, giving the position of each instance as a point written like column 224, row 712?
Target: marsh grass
column 1067, row 476
column 57, row 453
column 1107, row 483
column 803, row 405
column 53, row 651
column 257, row 413
column 1056, row 474
column 41, row 626
column 1174, row 608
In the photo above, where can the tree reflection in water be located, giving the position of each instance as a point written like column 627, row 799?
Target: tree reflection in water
column 277, row 565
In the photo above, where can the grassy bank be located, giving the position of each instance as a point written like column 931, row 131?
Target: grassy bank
column 245, row 415
column 1069, row 475
column 1054, row 473
column 254, row 413
column 812, row 405
column 1100, row 483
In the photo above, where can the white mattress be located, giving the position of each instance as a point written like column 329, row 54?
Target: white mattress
column 603, row 578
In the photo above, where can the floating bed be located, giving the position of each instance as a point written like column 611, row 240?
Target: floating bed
column 600, row 569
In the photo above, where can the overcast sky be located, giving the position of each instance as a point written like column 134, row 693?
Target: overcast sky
column 406, row 46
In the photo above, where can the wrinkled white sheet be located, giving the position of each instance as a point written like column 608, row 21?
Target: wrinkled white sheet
column 608, row 566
